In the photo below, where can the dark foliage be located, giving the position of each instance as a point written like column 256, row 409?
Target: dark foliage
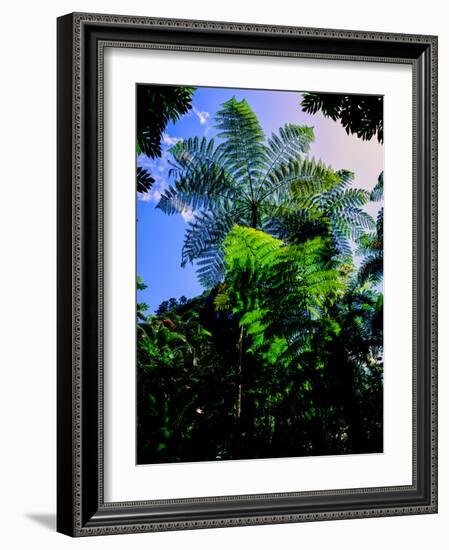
column 156, row 107
column 329, row 402
column 359, row 115
column 144, row 181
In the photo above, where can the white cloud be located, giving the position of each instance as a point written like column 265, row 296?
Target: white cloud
column 170, row 140
column 151, row 196
column 145, row 162
column 155, row 193
column 203, row 116
column 159, row 186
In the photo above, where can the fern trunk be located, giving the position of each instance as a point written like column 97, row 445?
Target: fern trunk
column 254, row 216
column 239, row 376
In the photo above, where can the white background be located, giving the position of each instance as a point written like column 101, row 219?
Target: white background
column 27, row 229
column 123, row 481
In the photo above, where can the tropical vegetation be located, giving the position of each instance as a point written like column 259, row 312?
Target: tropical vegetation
column 282, row 353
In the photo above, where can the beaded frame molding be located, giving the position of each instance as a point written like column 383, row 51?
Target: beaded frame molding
column 81, row 510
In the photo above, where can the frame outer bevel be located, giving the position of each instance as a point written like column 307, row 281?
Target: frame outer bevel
column 65, row 267
column 80, row 508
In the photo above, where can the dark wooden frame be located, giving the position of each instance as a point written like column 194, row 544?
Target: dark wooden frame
column 81, row 509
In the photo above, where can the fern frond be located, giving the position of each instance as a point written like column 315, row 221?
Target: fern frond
column 298, row 179
column 290, row 284
column 200, row 178
column 371, row 268
column 370, row 245
column 243, row 151
column 289, row 145
column 203, row 242
column 377, row 194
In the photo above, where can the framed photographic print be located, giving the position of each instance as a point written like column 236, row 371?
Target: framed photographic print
column 247, row 288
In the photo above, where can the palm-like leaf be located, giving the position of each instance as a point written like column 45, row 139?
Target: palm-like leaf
column 358, row 114
column 156, row 107
column 144, row 180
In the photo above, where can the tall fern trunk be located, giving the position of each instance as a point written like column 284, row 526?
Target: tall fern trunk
column 239, row 375
column 254, row 215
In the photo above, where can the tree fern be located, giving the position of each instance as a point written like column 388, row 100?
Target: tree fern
column 255, row 182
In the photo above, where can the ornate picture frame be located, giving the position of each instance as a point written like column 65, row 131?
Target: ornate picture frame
column 81, row 507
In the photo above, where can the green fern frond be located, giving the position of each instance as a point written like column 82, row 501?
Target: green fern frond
column 290, row 284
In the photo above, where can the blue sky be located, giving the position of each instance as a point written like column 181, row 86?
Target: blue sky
column 160, row 237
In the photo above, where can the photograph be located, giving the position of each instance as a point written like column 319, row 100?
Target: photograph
column 259, row 261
